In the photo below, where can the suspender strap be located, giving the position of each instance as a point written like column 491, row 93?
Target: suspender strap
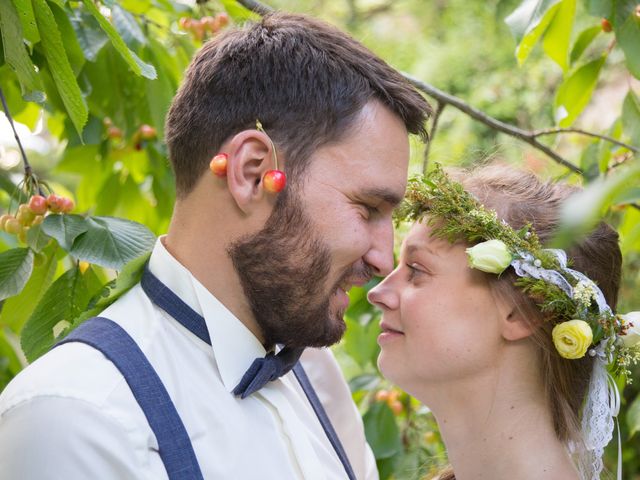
column 312, row 396
column 113, row 341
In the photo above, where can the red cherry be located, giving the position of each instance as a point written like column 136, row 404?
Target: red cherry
column 147, row 132
column 223, row 19
column 66, row 204
column 218, row 164
column 274, row 181
column 185, row 23
column 38, row 204
column 606, row 25
column 114, row 133
column 53, row 201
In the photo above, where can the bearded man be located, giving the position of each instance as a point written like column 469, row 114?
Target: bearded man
column 194, row 373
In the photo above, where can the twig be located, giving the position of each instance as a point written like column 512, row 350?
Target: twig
column 257, row 7
column 27, row 167
column 432, row 134
column 523, row 135
column 553, row 131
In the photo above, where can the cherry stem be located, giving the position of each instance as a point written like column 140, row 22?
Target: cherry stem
column 27, row 167
column 273, row 147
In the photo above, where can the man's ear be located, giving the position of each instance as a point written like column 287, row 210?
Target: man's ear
column 250, row 156
column 513, row 324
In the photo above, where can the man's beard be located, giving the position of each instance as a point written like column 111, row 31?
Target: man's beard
column 283, row 271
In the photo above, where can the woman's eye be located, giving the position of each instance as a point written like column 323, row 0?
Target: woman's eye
column 413, row 271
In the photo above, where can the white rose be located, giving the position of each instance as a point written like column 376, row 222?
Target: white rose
column 492, row 256
column 632, row 338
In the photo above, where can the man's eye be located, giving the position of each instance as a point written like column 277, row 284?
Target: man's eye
column 369, row 210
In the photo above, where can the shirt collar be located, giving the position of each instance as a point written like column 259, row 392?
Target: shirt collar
column 234, row 346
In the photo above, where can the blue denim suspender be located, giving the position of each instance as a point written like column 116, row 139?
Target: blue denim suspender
column 174, row 446
column 176, row 450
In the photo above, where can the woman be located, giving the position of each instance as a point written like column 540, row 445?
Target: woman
column 512, row 365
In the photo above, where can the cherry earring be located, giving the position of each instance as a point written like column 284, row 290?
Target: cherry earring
column 218, row 165
column 274, row 180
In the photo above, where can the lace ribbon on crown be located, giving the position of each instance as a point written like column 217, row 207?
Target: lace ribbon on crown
column 602, row 403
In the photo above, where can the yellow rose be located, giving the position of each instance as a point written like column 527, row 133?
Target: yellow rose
column 491, row 256
column 572, row 339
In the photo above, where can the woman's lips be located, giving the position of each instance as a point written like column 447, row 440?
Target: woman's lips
column 388, row 334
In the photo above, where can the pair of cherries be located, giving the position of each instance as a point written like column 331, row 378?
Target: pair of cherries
column 274, row 180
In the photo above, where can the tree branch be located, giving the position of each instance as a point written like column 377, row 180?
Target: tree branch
column 27, row 167
column 257, row 7
column 553, row 131
column 523, row 135
column 432, row 133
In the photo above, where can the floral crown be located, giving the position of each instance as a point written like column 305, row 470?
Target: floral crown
column 584, row 322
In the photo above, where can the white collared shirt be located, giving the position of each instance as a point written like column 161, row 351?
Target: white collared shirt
column 70, row 415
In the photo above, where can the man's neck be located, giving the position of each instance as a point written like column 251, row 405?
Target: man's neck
column 212, row 267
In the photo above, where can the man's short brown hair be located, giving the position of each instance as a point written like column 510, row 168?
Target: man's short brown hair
column 304, row 79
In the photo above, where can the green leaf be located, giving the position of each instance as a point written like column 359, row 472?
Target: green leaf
column 37, row 239
column 138, row 66
column 63, row 76
column 600, row 8
column 584, row 209
column 69, row 39
column 365, row 382
column 15, row 268
column 112, row 242
column 17, row 309
column 633, row 417
column 626, row 25
column 575, row 92
column 128, row 277
column 557, row 38
column 90, row 36
column 65, row 299
column 528, row 22
column 8, row 352
column 584, row 40
column 360, row 341
column 127, row 26
column 64, row 228
column 239, row 12
column 28, row 21
column 15, row 51
column 381, row 431
column 631, row 117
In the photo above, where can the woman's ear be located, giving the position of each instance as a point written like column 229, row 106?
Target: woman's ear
column 250, row 155
column 513, row 324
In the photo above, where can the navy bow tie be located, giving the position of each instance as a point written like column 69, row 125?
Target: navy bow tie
column 261, row 371
column 264, row 370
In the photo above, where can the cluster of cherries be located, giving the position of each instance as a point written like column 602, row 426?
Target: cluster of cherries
column 32, row 213
column 204, row 26
column 143, row 133
column 391, row 397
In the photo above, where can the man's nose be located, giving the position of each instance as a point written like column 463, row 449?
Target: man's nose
column 380, row 255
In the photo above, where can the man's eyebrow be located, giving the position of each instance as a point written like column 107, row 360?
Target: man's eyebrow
column 384, row 194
